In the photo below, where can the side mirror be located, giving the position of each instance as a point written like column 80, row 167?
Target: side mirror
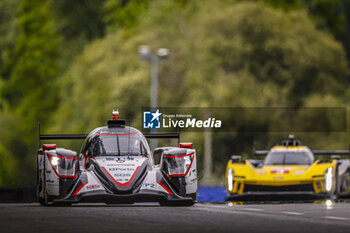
column 236, row 158
column 157, row 153
column 186, row 145
column 49, row 146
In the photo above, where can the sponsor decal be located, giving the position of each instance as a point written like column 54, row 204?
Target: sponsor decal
column 280, row 171
column 150, row 185
column 122, row 180
column 122, row 175
column 120, row 161
column 127, row 169
column 93, row 186
column 121, row 165
column 109, row 159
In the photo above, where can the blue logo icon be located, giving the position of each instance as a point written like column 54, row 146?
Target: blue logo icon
column 151, row 119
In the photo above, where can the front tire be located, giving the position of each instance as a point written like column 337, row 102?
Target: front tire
column 44, row 201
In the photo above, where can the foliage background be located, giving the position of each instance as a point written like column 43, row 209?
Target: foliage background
column 68, row 63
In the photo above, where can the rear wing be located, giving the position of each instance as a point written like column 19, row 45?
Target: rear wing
column 257, row 153
column 83, row 136
column 315, row 152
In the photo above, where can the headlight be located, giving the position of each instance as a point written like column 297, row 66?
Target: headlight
column 64, row 166
column 229, row 179
column 178, row 165
column 55, row 161
column 328, row 179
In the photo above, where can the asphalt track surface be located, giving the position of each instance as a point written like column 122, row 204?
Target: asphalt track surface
column 202, row 217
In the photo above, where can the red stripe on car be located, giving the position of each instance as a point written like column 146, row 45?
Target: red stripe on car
column 61, row 176
column 121, row 184
column 78, row 189
column 177, row 175
column 62, row 157
column 165, row 187
column 85, row 160
column 178, row 156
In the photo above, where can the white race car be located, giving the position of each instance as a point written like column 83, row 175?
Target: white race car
column 115, row 165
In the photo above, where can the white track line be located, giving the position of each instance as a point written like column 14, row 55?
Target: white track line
column 215, row 206
column 240, row 208
column 293, row 213
column 335, row 218
column 252, row 209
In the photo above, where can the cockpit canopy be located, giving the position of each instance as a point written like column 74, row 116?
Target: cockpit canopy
column 289, row 157
column 117, row 141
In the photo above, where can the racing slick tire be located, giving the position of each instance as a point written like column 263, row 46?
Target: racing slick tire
column 335, row 195
column 337, row 186
column 42, row 201
column 345, row 186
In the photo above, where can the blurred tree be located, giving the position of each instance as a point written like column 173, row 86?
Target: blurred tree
column 283, row 48
column 6, row 167
column 78, row 22
column 30, row 67
column 345, row 37
column 124, row 13
column 13, row 153
column 79, row 18
column 328, row 14
column 8, row 25
column 127, row 13
column 29, row 80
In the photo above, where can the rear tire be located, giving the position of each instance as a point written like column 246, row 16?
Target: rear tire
column 42, row 201
column 345, row 186
column 42, row 184
column 335, row 195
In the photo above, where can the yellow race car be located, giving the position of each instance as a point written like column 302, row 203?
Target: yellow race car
column 289, row 170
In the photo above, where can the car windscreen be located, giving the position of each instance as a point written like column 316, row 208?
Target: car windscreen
column 118, row 144
column 289, row 158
